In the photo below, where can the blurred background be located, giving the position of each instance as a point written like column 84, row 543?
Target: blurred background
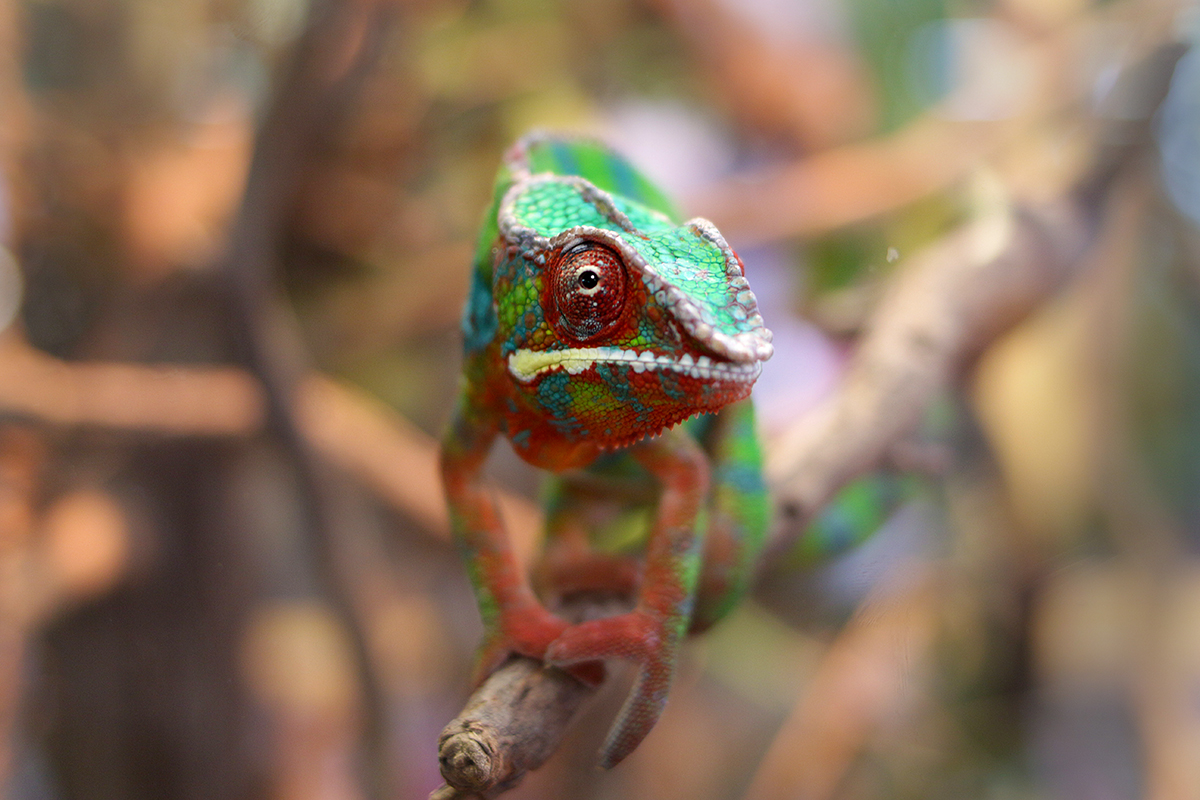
column 236, row 237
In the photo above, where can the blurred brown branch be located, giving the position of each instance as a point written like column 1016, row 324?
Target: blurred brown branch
column 351, row 429
column 848, row 183
column 814, row 91
column 201, row 401
column 860, row 681
column 946, row 305
column 844, row 185
column 337, row 48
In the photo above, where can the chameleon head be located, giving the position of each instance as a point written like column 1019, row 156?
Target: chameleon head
column 615, row 322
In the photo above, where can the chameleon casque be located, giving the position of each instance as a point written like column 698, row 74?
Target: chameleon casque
column 595, row 325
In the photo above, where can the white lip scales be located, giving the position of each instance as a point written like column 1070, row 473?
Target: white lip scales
column 525, row 365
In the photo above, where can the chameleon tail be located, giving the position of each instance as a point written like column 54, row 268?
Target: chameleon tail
column 638, row 715
column 637, row 637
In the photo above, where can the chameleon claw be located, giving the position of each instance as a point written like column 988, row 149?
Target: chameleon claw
column 638, row 637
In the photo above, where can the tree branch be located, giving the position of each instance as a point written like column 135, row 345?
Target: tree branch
column 517, row 718
column 945, row 306
column 513, row 722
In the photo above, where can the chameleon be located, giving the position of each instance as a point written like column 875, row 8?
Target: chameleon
column 615, row 348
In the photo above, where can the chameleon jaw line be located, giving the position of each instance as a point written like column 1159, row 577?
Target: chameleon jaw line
column 525, row 365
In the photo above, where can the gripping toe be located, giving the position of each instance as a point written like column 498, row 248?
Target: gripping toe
column 626, row 636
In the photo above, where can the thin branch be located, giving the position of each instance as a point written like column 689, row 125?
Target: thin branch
column 180, row 401
column 848, row 184
column 338, row 46
column 946, row 305
column 851, row 183
column 861, row 680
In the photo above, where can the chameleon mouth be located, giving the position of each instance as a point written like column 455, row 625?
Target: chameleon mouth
column 525, row 365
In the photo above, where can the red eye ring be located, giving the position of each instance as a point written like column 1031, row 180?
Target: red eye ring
column 588, row 286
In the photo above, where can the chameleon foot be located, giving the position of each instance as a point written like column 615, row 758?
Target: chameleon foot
column 638, row 637
column 527, row 632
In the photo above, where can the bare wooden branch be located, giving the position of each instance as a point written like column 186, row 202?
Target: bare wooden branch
column 356, row 432
column 946, row 305
column 511, row 725
column 517, row 718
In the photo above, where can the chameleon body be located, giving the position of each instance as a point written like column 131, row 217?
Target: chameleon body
column 615, row 348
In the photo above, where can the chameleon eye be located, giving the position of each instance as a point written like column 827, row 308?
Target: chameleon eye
column 588, row 283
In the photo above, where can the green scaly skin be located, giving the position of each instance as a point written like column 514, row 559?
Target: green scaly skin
column 595, row 326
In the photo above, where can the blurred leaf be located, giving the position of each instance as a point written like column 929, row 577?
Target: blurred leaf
column 1179, row 135
column 884, row 30
column 1164, row 369
column 869, row 251
column 1035, row 404
column 838, row 260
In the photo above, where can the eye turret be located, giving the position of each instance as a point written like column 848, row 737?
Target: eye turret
column 588, row 284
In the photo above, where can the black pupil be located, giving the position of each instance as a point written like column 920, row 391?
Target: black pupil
column 588, row 279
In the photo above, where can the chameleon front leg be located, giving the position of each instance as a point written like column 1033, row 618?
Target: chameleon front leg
column 651, row 634
column 514, row 620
